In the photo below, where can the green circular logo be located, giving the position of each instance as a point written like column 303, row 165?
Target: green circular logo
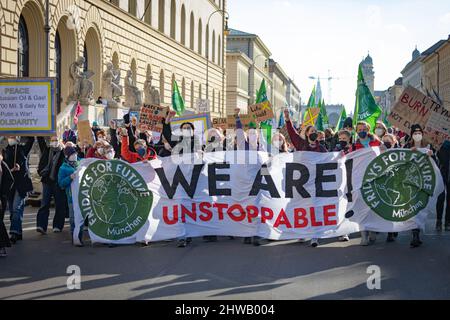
column 398, row 184
column 115, row 198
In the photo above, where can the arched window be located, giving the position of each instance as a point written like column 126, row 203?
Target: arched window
column 173, row 20
column 148, row 12
column 208, row 52
column 183, row 25
column 58, row 71
column 183, row 89
column 86, row 57
column 171, row 84
column 23, row 50
column 161, row 85
column 115, row 60
column 219, row 102
column 214, row 46
column 192, row 32
column 219, row 51
column 192, row 95
column 200, row 91
column 134, row 70
column 213, row 100
column 200, row 37
column 93, row 58
column 132, row 7
column 161, row 16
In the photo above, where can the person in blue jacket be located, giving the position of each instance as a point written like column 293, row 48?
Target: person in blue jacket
column 66, row 175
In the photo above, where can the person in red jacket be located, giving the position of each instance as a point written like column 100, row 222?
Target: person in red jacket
column 143, row 152
column 365, row 138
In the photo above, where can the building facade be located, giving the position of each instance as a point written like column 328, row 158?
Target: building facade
column 436, row 72
column 167, row 39
column 252, row 47
column 280, row 83
column 238, row 71
column 293, row 99
column 413, row 71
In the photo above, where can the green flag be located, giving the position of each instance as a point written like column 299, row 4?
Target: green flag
column 177, row 100
column 324, row 114
column 385, row 118
column 261, row 96
column 320, row 118
column 366, row 109
column 311, row 103
column 340, row 123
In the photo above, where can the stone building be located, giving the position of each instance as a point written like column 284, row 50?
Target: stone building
column 164, row 40
column 280, row 83
column 368, row 73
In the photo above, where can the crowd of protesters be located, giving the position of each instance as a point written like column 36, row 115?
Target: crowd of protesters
column 60, row 156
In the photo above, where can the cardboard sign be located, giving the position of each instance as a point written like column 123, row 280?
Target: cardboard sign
column 27, row 106
column 413, row 107
column 203, row 106
column 246, row 120
column 261, row 111
column 201, row 122
column 220, row 123
column 151, row 118
column 85, row 132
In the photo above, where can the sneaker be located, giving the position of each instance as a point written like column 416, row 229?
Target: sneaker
column 13, row 238
column 256, row 242
column 314, row 243
column 56, row 230
column 188, row 240
column 181, row 243
column 3, row 252
column 41, row 231
column 415, row 243
column 344, row 238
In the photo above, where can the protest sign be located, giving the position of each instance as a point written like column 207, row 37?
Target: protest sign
column 297, row 195
column 261, row 111
column 219, row 123
column 151, row 117
column 413, row 107
column 312, row 114
column 27, row 106
column 201, row 122
column 246, row 120
column 85, row 134
column 202, row 106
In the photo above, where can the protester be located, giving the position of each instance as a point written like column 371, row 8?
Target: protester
column 52, row 157
column 330, row 139
column 143, row 152
column 380, row 130
column 16, row 157
column 6, row 185
column 115, row 141
column 444, row 165
column 344, row 142
column 66, row 175
column 279, row 143
column 69, row 135
column 215, row 141
column 95, row 129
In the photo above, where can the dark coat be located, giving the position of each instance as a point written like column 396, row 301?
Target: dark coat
column 22, row 180
column 48, row 167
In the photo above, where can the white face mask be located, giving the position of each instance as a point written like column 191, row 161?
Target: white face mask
column 54, row 144
column 12, row 142
column 110, row 155
column 379, row 132
column 418, row 137
column 73, row 158
column 187, row 133
column 277, row 144
column 252, row 138
column 100, row 151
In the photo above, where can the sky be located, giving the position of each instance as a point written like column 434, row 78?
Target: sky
column 315, row 37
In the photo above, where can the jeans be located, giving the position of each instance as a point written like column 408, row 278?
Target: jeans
column 50, row 190
column 16, row 207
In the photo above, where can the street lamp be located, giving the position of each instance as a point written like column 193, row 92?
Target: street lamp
column 226, row 31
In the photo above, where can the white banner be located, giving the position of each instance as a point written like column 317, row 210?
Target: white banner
column 287, row 196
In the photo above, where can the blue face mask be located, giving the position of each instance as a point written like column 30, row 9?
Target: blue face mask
column 141, row 152
column 362, row 134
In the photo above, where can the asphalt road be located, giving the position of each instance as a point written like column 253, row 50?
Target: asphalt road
column 36, row 268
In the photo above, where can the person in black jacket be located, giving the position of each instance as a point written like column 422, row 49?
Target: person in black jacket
column 52, row 157
column 6, row 184
column 16, row 157
column 444, row 165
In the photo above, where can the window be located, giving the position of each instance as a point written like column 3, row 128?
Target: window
column 192, row 94
column 219, row 46
column 200, row 37
column 200, row 91
column 183, row 25
column 173, row 20
column 208, row 53
column 85, row 55
column 183, row 89
column 161, row 85
column 132, row 7
column 161, row 15
column 192, row 32
column 58, row 71
column 23, row 50
column 148, row 12
column 214, row 47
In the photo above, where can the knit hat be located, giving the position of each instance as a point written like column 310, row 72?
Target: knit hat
column 95, row 124
column 415, row 128
column 348, row 123
column 68, row 151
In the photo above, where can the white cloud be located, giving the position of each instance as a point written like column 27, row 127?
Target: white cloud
column 374, row 18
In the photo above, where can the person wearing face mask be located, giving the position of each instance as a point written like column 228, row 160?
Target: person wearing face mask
column 142, row 154
column 66, row 175
column 69, row 135
column 380, row 130
column 95, row 129
column 366, row 140
column 16, row 157
column 344, row 145
column 6, row 185
column 98, row 150
column 52, row 158
column 309, row 142
column 279, row 143
column 330, row 139
column 215, row 141
column 444, row 165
